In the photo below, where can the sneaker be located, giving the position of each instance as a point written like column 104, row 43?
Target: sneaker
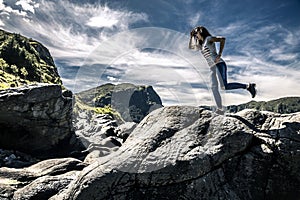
column 251, row 89
column 220, row 112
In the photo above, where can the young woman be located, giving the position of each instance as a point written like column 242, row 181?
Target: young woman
column 205, row 42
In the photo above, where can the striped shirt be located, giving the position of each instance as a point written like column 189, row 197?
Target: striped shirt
column 209, row 51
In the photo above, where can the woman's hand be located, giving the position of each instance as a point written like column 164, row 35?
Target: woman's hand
column 193, row 33
column 218, row 58
column 191, row 45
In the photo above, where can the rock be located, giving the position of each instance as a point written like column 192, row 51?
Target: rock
column 40, row 180
column 188, row 153
column 47, row 167
column 97, row 133
column 131, row 101
column 45, row 187
column 15, row 159
column 124, row 130
column 25, row 61
column 278, row 157
column 35, row 119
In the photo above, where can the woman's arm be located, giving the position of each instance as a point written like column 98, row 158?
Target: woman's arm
column 192, row 35
column 190, row 43
column 222, row 44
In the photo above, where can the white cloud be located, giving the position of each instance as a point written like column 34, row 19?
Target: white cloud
column 70, row 31
column 102, row 21
column 292, row 37
column 7, row 10
column 194, row 19
column 273, row 80
column 151, row 58
column 285, row 57
column 106, row 17
column 28, row 5
column 232, row 28
column 4, row 7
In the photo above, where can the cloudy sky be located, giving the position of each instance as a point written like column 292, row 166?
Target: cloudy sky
column 145, row 42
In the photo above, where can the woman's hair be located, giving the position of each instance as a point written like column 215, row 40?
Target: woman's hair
column 203, row 32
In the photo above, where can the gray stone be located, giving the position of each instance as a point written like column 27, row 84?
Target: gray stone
column 43, row 168
column 45, row 187
column 97, row 133
column 35, row 119
column 124, row 130
column 39, row 181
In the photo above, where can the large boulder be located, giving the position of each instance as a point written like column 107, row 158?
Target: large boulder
column 36, row 119
column 189, row 153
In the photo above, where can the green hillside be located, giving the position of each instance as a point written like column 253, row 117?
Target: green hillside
column 282, row 105
column 24, row 61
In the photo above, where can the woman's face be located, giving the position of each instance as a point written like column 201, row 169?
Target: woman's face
column 199, row 36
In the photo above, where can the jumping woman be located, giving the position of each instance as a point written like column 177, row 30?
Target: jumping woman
column 205, row 42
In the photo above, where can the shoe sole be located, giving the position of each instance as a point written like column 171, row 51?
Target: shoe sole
column 254, row 85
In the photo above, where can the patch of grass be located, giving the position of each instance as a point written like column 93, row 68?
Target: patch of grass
column 25, row 61
column 8, row 80
column 80, row 106
column 6, row 181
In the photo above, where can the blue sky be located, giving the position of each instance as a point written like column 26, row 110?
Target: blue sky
column 262, row 43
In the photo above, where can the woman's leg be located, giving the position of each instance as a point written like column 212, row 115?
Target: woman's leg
column 214, row 87
column 222, row 68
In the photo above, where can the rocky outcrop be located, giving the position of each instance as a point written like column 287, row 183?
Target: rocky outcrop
column 189, row 153
column 36, row 119
column 25, row 61
column 131, row 101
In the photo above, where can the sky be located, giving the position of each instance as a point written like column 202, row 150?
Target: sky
column 145, row 42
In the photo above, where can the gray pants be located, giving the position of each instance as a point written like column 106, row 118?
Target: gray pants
column 215, row 86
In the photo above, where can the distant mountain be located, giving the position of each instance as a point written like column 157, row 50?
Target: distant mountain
column 24, row 61
column 133, row 102
column 282, row 105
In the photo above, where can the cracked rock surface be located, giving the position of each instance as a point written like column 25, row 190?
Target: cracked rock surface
column 35, row 119
column 182, row 152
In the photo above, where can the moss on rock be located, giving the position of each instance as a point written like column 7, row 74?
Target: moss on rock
column 25, row 61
